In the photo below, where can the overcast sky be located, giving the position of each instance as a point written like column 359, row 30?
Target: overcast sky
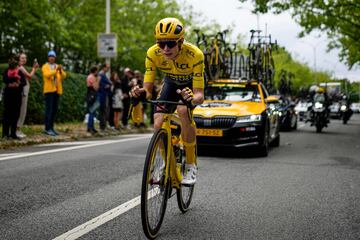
column 281, row 27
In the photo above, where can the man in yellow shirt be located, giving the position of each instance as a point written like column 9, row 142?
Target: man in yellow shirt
column 53, row 75
column 183, row 66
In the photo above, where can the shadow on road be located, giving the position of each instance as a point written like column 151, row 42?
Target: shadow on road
column 325, row 131
column 224, row 152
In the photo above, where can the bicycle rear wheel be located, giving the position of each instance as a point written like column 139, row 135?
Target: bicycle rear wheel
column 185, row 192
column 154, row 190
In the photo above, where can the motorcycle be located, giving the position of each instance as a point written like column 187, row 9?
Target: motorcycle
column 345, row 112
column 318, row 116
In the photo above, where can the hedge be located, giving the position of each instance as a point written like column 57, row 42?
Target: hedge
column 71, row 107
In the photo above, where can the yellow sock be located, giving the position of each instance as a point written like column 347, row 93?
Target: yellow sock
column 190, row 152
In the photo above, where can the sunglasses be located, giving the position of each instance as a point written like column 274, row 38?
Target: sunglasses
column 170, row 44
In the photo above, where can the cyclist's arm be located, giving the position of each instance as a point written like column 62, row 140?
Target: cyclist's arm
column 198, row 80
column 198, row 96
column 150, row 74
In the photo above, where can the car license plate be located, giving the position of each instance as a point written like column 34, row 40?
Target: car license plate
column 209, row 132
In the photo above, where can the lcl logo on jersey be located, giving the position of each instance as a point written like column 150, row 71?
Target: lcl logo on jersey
column 182, row 65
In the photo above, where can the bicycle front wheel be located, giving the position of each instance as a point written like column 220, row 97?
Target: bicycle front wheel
column 185, row 192
column 154, row 191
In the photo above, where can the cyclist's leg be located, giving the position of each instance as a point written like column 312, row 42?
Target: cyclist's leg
column 167, row 92
column 188, row 134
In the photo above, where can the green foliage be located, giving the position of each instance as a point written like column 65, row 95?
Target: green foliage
column 303, row 76
column 70, row 27
column 71, row 107
column 340, row 19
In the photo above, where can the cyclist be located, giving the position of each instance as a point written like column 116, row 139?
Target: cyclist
column 183, row 66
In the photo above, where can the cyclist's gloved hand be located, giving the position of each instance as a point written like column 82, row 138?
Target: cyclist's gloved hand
column 137, row 95
column 187, row 95
column 137, row 92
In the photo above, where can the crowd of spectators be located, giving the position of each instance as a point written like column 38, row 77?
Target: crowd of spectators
column 107, row 96
column 113, row 100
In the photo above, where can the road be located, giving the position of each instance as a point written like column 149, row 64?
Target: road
column 308, row 188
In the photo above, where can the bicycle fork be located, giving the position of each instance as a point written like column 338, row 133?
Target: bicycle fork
column 172, row 167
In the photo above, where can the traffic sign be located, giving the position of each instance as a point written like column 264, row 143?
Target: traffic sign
column 107, row 45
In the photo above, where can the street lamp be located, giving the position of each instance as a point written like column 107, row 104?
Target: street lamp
column 333, row 69
column 314, row 49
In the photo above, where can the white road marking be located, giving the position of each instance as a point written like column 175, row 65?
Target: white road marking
column 84, row 228
column 67, row 143
column 9, row 154
column 21, row 155
column 82, row 142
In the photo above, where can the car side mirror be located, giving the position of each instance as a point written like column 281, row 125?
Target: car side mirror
column 272, row 99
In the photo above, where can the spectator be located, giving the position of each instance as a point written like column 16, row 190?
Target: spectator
column 117, row 103
column 103, row 94
column 25, row 93
column 92, row 101
column 125, row 87
column 139, row 78
column 14, row 81
column 111, row 110
column 138, row 111
column 53, row 75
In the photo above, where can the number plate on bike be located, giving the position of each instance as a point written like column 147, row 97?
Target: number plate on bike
column 209, row 132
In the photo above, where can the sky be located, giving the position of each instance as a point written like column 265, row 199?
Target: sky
column 310, row 49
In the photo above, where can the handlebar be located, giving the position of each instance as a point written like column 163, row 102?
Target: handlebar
column 135, row 101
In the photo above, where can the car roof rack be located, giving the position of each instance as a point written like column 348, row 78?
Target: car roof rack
column 234, row 81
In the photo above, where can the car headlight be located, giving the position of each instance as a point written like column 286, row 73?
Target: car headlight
column 249, row 118
column 318, row 105
column 343, row 108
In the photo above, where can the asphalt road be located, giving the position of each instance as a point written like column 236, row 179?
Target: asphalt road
column 308, row 188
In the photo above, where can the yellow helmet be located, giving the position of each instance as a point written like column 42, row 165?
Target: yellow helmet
column 321, row 90
column 169, row 28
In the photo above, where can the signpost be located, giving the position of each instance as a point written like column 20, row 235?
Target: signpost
column 107, row 45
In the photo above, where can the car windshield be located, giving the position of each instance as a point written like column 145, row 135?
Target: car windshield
column 247, row 93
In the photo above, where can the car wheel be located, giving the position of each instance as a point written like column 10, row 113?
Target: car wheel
column 276, row 141
column 264, row 147
column 295, row 125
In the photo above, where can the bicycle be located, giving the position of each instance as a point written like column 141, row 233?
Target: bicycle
column 256, row 57
column 163, row 170
column 218, row 56
column 221, row 61
column 202, row 44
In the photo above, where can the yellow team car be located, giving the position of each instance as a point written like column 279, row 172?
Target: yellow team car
column 237, row 114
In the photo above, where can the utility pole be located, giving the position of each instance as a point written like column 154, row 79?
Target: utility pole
column 314, row 49
column 108, row 30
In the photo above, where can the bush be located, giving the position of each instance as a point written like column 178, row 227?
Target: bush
column 71, row 107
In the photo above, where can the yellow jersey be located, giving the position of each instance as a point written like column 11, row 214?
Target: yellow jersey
column 188, row 66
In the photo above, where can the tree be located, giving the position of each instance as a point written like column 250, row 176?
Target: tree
column 340, row 19
column 70, row 27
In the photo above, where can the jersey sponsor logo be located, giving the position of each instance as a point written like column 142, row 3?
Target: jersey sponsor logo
column 158, row 52
column 200, row 74
column 182, row 65
column 180, row 79
column 191, row 53
column 164, row 63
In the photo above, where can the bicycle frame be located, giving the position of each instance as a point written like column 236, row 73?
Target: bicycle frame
column 172, row 169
